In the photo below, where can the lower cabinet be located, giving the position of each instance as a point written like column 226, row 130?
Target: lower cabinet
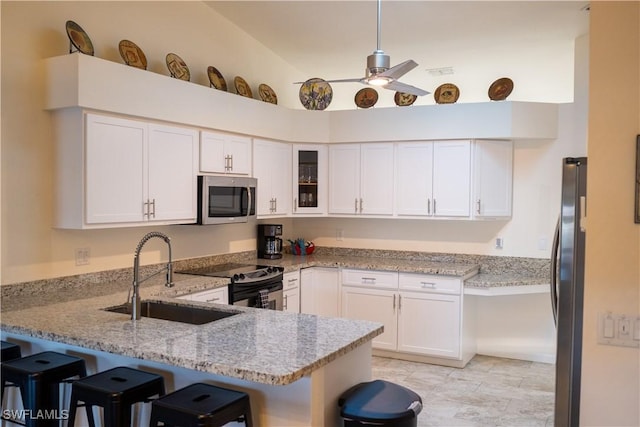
column 291, row 292
column 422, row 314
column 218, row 296
column 319, row 291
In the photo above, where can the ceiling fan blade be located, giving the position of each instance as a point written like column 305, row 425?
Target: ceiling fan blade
column 399, row 70
column 403, row 87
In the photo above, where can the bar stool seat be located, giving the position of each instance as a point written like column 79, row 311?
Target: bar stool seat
column 10, row 351
column 380, row 403
column 39, row 376
column 116, row 390
column 201, row 405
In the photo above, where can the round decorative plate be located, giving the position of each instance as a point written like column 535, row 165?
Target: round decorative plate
column 316, row 94
column 500, row 89
column 177, row 67
column 242, row 87
column 366, row 98
column 215, row 78
column 267, row 94
column 404, row 99
column 78, row 38
column 132, row 54
column 447, row 93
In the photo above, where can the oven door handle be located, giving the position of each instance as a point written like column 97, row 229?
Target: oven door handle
column 250, row 201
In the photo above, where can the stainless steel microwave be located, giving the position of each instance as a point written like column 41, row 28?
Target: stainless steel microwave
column 226, row 200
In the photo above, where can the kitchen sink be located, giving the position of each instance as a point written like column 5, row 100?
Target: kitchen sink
column 175, row 313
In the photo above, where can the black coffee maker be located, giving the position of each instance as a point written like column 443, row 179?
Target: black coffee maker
column 269, row 242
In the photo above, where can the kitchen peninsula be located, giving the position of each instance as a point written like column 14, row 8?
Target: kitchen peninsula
column 293, row 366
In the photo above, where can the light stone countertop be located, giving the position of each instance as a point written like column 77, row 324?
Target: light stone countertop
column 265, row 346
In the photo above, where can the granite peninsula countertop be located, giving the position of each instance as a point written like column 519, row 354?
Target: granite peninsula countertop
column 270, row 347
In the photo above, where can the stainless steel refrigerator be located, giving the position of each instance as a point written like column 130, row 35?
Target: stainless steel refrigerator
column 567, row 289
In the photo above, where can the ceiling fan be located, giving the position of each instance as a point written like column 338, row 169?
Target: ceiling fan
column 379, row 73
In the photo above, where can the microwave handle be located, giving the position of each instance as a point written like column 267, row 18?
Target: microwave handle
column 250, row 202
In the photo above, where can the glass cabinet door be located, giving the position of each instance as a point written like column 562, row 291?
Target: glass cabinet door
column 310, row 177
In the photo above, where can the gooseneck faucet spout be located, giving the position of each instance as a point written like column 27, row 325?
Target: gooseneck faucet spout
column 135, row 298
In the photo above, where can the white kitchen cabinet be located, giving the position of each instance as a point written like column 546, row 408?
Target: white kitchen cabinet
column 422, row 314
column 272, row 168
column 492, row 179
column 217, row 295
column 291, row 292
column 433, row 178
column 310, row 181
column 319, row 291
column 132, row 172
column 225, row 153
column 361, row 178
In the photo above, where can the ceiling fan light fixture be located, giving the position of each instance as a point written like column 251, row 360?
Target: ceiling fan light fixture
column 378, row 80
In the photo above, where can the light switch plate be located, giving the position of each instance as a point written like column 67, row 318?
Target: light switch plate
column 618, row 329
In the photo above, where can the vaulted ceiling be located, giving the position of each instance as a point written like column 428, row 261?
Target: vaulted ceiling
column 479, row 41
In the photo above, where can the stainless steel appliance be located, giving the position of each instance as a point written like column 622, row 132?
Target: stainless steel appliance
column 250, row 285
column 224, row 200
column 567, row 289
column 269, row 244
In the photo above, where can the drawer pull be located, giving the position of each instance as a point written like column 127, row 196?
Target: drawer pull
column 368, row 280
column 213, row 299
column 429, row 285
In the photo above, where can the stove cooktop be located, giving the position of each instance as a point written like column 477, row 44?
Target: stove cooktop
column 236, row 271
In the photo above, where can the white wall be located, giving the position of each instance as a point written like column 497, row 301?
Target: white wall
column 32, row 250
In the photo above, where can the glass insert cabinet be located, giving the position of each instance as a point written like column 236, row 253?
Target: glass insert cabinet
column 310, row 179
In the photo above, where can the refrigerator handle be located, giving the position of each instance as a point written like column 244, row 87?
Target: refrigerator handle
column 583, row 214
column 554, row 272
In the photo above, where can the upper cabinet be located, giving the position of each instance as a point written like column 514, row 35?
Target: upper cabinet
column 223, row 153
column 361, row 179
column 310, row 183
column 272, row 168
column 492, row 179
column 123, row 172
column 454, row 179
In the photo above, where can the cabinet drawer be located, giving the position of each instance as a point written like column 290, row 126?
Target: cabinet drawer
column 291, row 280
column 369, row 278
column 218, row 295
column 428, row 283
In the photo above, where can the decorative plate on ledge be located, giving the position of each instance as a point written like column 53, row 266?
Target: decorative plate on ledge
column 79, row 39
column 366, row 97
column 404, row 99
column 447, row 93
column 315, row 94
column 132, row 54
column 500, row 89
column 215, row 78
column 177, row 67
column 267, row 94
column 242, row 87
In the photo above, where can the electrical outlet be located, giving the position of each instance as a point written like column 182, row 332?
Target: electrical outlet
column 499, row 243
column 339, row 235
column 82, row 256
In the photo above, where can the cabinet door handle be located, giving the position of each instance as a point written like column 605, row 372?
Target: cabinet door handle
column 275, row 205
column 394, row 303
column 430, row 285
column 360, row 205
column 295, row 204
column 284, row 302
column 145, row 209
column 434, row 206
column 153, row 212
column 478, row 207
column 429, row 206
column 399, row 302
column 356, row 206
column 231, row 162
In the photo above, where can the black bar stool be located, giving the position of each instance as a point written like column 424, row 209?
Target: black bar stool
column 380, row 403
column 39, row 376
column 201, row 405
column 115, row 390
column 10, row 351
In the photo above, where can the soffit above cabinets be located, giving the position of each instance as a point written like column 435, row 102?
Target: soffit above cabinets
column 78, row 80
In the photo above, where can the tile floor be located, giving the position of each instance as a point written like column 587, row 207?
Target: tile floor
column 489, row 391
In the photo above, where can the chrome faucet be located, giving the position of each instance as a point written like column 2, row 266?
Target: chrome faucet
column 135, row 299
